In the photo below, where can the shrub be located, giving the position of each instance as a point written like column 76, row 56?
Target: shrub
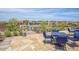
column 7, row 33
column 20, row 33
column 49, row 30
column 16, row 33
column 56, row 28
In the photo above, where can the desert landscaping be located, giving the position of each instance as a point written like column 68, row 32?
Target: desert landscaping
column 38, row 30
column 24, row 36
column 32, row 42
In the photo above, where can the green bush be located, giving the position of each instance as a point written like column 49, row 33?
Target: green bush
column 49, row 30
column 7, row 33
column 20, row 33
column 16, row 33
column 57, row 28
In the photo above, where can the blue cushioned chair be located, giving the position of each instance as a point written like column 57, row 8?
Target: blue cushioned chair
column 48, row 37
column 61, row 41
column 75, row 38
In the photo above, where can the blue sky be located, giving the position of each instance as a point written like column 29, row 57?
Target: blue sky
column 55, row 14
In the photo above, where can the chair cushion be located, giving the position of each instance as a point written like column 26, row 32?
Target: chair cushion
column 61, row 39
column 76, row 34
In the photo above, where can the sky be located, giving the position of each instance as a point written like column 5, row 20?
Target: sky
column 54, row 14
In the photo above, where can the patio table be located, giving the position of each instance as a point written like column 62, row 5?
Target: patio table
column 60, row 39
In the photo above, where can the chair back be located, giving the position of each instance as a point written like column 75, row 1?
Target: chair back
column 48, row 37
column 55, row 30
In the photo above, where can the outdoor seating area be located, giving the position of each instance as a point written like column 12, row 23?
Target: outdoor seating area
column 60, row 38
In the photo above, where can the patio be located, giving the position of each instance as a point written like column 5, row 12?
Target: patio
column 33, row 42
column 61, row 39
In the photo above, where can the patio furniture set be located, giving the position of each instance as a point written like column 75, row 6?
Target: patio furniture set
column 60, row 38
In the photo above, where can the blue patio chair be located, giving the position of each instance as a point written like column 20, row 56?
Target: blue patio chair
column 75, row 37
column 55, row 30
column 47, row 36
column 61, row 40
column 60, row 37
